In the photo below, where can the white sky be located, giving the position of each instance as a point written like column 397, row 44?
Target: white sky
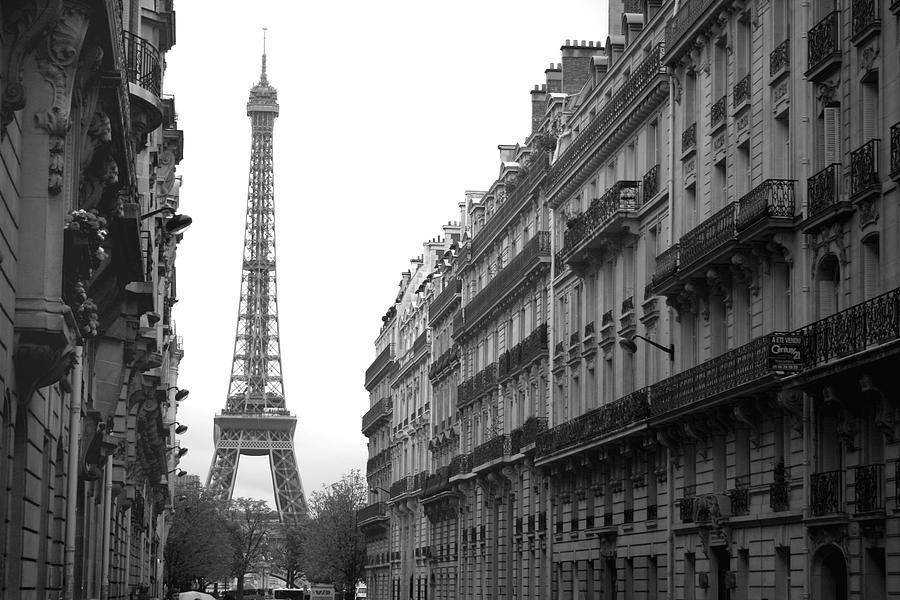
column 390, row 110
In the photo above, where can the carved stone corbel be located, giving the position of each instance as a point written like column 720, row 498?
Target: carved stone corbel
column 745, row 415
column 791, row 402
column 697, row 431
column 886, row 418
column 846, row 429
column 745, row 270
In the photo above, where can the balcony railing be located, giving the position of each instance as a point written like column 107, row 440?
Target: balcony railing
column 499, row 287
column 717, row 113
column 640, row 78
column 437, row 482
column 866, row 15
column 780, row 496
column 443, row 361
column 381, row 361
column 625, row 411
column 380, row 460
column 373, row 511
column 823, row 189
column 650, row 184
column 687, row 15
column 666, row 265
column 496, row 447
column 741, row 92
column 524, row 353
column 628, row 515
column 652, row 512
column 824, row 40
column 460, row 464
column 142, row 64
column 472, row 389
column 895, row 151
column 743, row 365
column 773, row 198
column 826, row 493
column 864, row 169
column 528, row 432
column 689, row 137
column 622, row 196
column 710, row 235
column 740, row 496
column 444, row 299
column 381, row 410
column 780, row 58
column 869, row 488
column 852, row 330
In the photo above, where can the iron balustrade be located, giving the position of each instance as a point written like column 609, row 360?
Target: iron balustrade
column 723, row 373
column 436, row 483
column 444, row 299
column 642, row 76
column 379, row 461
column 689, row 138
column 383, row 359
column 773, row 198
column 575, row 338
column 627, row 305
column 710, row 235
column 826, row 493
column 444, row 361
column 780, row 57
column 895, row 150
column 607, row 318
column 496, row 447
column 823, row 40
column 740, row 496
column 607, row 519
column 530, row 430
column 823, row 189
column 504, row 281
column 622, row 196
column 589, row 331
column 472, row 389
column 868, row 485
column 460, row 464
column 666, row 265
column 779, row 496
column 380, row 410
column 628, row 515
column 652, row 512
column 399, row 487
column 142, row 63
column 650, row 184
column 717, row 113
column 741, row 91
column 688, row 13
column 864, row 169
column 865, row 15
column 593, row 424
column 852, row 330
column 372, row 511
column 686, row 509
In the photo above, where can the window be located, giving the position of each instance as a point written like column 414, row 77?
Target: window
column 720, row 69
column 652, row 145
column 869, row 109
column 828, row 138
column 871, row 267
column 828, row 284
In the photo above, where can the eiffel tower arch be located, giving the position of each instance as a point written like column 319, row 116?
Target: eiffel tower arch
column 255, row 421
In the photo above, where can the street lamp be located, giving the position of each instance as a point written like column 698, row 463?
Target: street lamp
column 375, row 489
column 180, row 428
column 181, row 451
column 632, row 347
column 175, row 224
column 181, row 472
column 180, row 394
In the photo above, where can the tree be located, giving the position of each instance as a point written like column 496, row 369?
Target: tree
column 249, row 523
column 335, row 546
column 290, row 554
column 197, row 548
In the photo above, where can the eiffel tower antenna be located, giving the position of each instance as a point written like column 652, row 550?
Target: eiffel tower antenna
column 256, row 421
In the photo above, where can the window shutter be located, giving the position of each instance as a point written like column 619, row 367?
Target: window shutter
column 832, row 140
column 869, row 111
column 871, row 268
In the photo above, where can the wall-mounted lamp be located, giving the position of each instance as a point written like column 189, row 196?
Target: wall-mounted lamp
column 181, row 451
column 175, row 224
column 375, row 489
column 632, row 347
column 180, row 394
column 181, row 428
column 181, row 472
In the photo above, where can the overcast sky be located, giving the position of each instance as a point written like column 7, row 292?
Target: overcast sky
column 390, row 110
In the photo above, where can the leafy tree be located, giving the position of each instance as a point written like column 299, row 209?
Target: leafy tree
column 289, row 556
column 197, row 548
column 335, row 546
column 249, row 524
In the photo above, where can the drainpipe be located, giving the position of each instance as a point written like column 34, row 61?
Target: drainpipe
column 810, row 443
column 72, row 472
column 671, row 182
column 107, row 513
column 551, row 315
column 670, row 517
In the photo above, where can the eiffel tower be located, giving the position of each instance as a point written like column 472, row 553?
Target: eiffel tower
column 255, row 421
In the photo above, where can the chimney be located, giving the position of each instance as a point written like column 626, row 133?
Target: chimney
column 576, row 64
column 538, row 106
column 554, row 78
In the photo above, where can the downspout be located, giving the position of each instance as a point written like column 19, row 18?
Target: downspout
column 810, row 443
column 72, row 473
column 107, row 512
column 670, row 518
column 671, row 181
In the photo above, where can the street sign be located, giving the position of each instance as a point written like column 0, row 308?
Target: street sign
column 321, row 592
column 785, row 353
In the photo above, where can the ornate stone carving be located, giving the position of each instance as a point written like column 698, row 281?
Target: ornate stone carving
column 868, row 212
column 41, row 359
column 867, row 59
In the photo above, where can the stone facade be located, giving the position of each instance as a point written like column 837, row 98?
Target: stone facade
column 88, row 350
column 690, row 397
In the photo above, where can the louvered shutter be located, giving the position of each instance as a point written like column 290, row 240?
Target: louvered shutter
column 832, row 133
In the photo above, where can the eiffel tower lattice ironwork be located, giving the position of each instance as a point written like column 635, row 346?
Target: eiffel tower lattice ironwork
column 256, row 421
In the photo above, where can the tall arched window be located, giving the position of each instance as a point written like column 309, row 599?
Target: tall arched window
column 828, row 284
column 871, row 271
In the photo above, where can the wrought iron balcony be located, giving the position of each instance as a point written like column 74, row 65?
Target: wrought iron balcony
column 628, row 515
column 824, row 196
column 824, row 44
column 650, row 184
column 780, row 496
column 472, row 389
column 687, row 508
column 378, row 414
column 535, row 254
column 400, row 487
column 741, row 92
column 738, row 368
column 524, row 353
column 866, row 19
column 603, row 217
column 460, row 464
column 772, row 200
column 689, row 138
column 652, row 512
column 142, row 63
column 895, row 151
column 372, row 512
column 711, row 235
column 826, row 493
column 493, row 449
column 853, row 330
column 690, row 13
column 444, row 361
column 381, row 362
column 666, row 267
column 627, row 305
column 740, row 496
column 436, row 483
column 379, row 461
column 864, row 179
column 717, row 114
column 780, row 58
column 595, row 424
column 869, row 488
column 444, row 300
column 528, row 432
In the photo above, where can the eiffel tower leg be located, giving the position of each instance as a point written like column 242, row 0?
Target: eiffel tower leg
column 289, row 496
column 222, row 472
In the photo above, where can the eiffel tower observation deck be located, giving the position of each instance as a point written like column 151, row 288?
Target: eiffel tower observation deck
column 255, row 421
